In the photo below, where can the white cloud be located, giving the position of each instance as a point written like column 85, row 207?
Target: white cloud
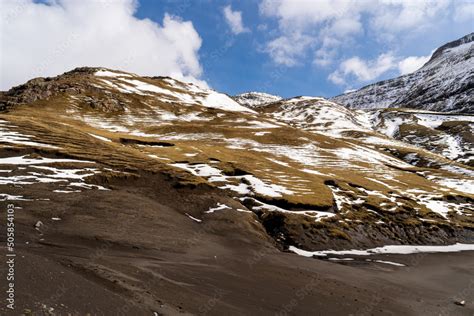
column 48, row 39
column 286, row 50
column 363, row 70
column 391, row 16
column 412, row 63
column 305, row 13
column 327, row 52
column 324, row 57
column 304, row 23
column 234, row 20
column 337, row 77
column 346, row 26
column 343, row 20
column 464, row 11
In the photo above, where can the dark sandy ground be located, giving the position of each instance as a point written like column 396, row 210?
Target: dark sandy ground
column 279, row 284
column 134, row 251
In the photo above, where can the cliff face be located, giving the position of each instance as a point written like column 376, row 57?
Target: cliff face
column 445, row 83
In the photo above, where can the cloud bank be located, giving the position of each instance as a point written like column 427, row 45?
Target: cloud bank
column 48, row 39
column 412, row 63
column 363, row 70
column 325, row 30
column 234, row 20
column 367, row 70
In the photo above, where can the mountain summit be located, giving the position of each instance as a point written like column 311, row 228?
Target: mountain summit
column 255, row 99
column 445, row 83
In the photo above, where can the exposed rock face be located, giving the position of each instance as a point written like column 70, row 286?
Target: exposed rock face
column 445, row 83
column 255, row 99
column 70, row 83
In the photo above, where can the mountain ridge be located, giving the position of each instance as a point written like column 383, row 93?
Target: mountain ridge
column 445, row 83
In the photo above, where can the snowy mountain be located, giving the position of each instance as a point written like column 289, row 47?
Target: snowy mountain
column 445, row 83
column 441, row 133
column 255, row 99
column 449, row 135
column 270, row 160
column 147, row 183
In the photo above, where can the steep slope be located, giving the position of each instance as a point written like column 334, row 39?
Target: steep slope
column 255, row 99
column 445, row 83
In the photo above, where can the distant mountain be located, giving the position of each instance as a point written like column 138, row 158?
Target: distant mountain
column 445, row 83
column 255, row 99
column 445, row 134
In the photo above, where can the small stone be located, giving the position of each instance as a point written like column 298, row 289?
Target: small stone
column 460, row 303
column 38, row 225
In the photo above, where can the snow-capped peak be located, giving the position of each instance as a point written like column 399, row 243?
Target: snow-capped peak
column 443, row 84
column 170, row 90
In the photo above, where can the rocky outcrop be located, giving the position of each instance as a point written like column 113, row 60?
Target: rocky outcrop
column 73, row 82
column 255, row 99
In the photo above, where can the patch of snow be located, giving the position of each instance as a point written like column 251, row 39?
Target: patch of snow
column 251, row 183
column 106, row 73
column 8, row 197
column 100, row 137
column 317, row 215
column 223, row 102
column 67, row 191
column 434, row 120
column 240, row 188
column 12, row 137
column 313, row 172
column 463, row 185
column 261, row 133
column 193, row 218
column 244, row 211
column 260, row 187
column 389, row 249
column 21, row 160
column 437, row 207
column 388, row 262
column 341, row 259
column 202, row 170
column 219, row 207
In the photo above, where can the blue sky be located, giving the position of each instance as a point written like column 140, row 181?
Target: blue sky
column 243, row 65
column 283, row 47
